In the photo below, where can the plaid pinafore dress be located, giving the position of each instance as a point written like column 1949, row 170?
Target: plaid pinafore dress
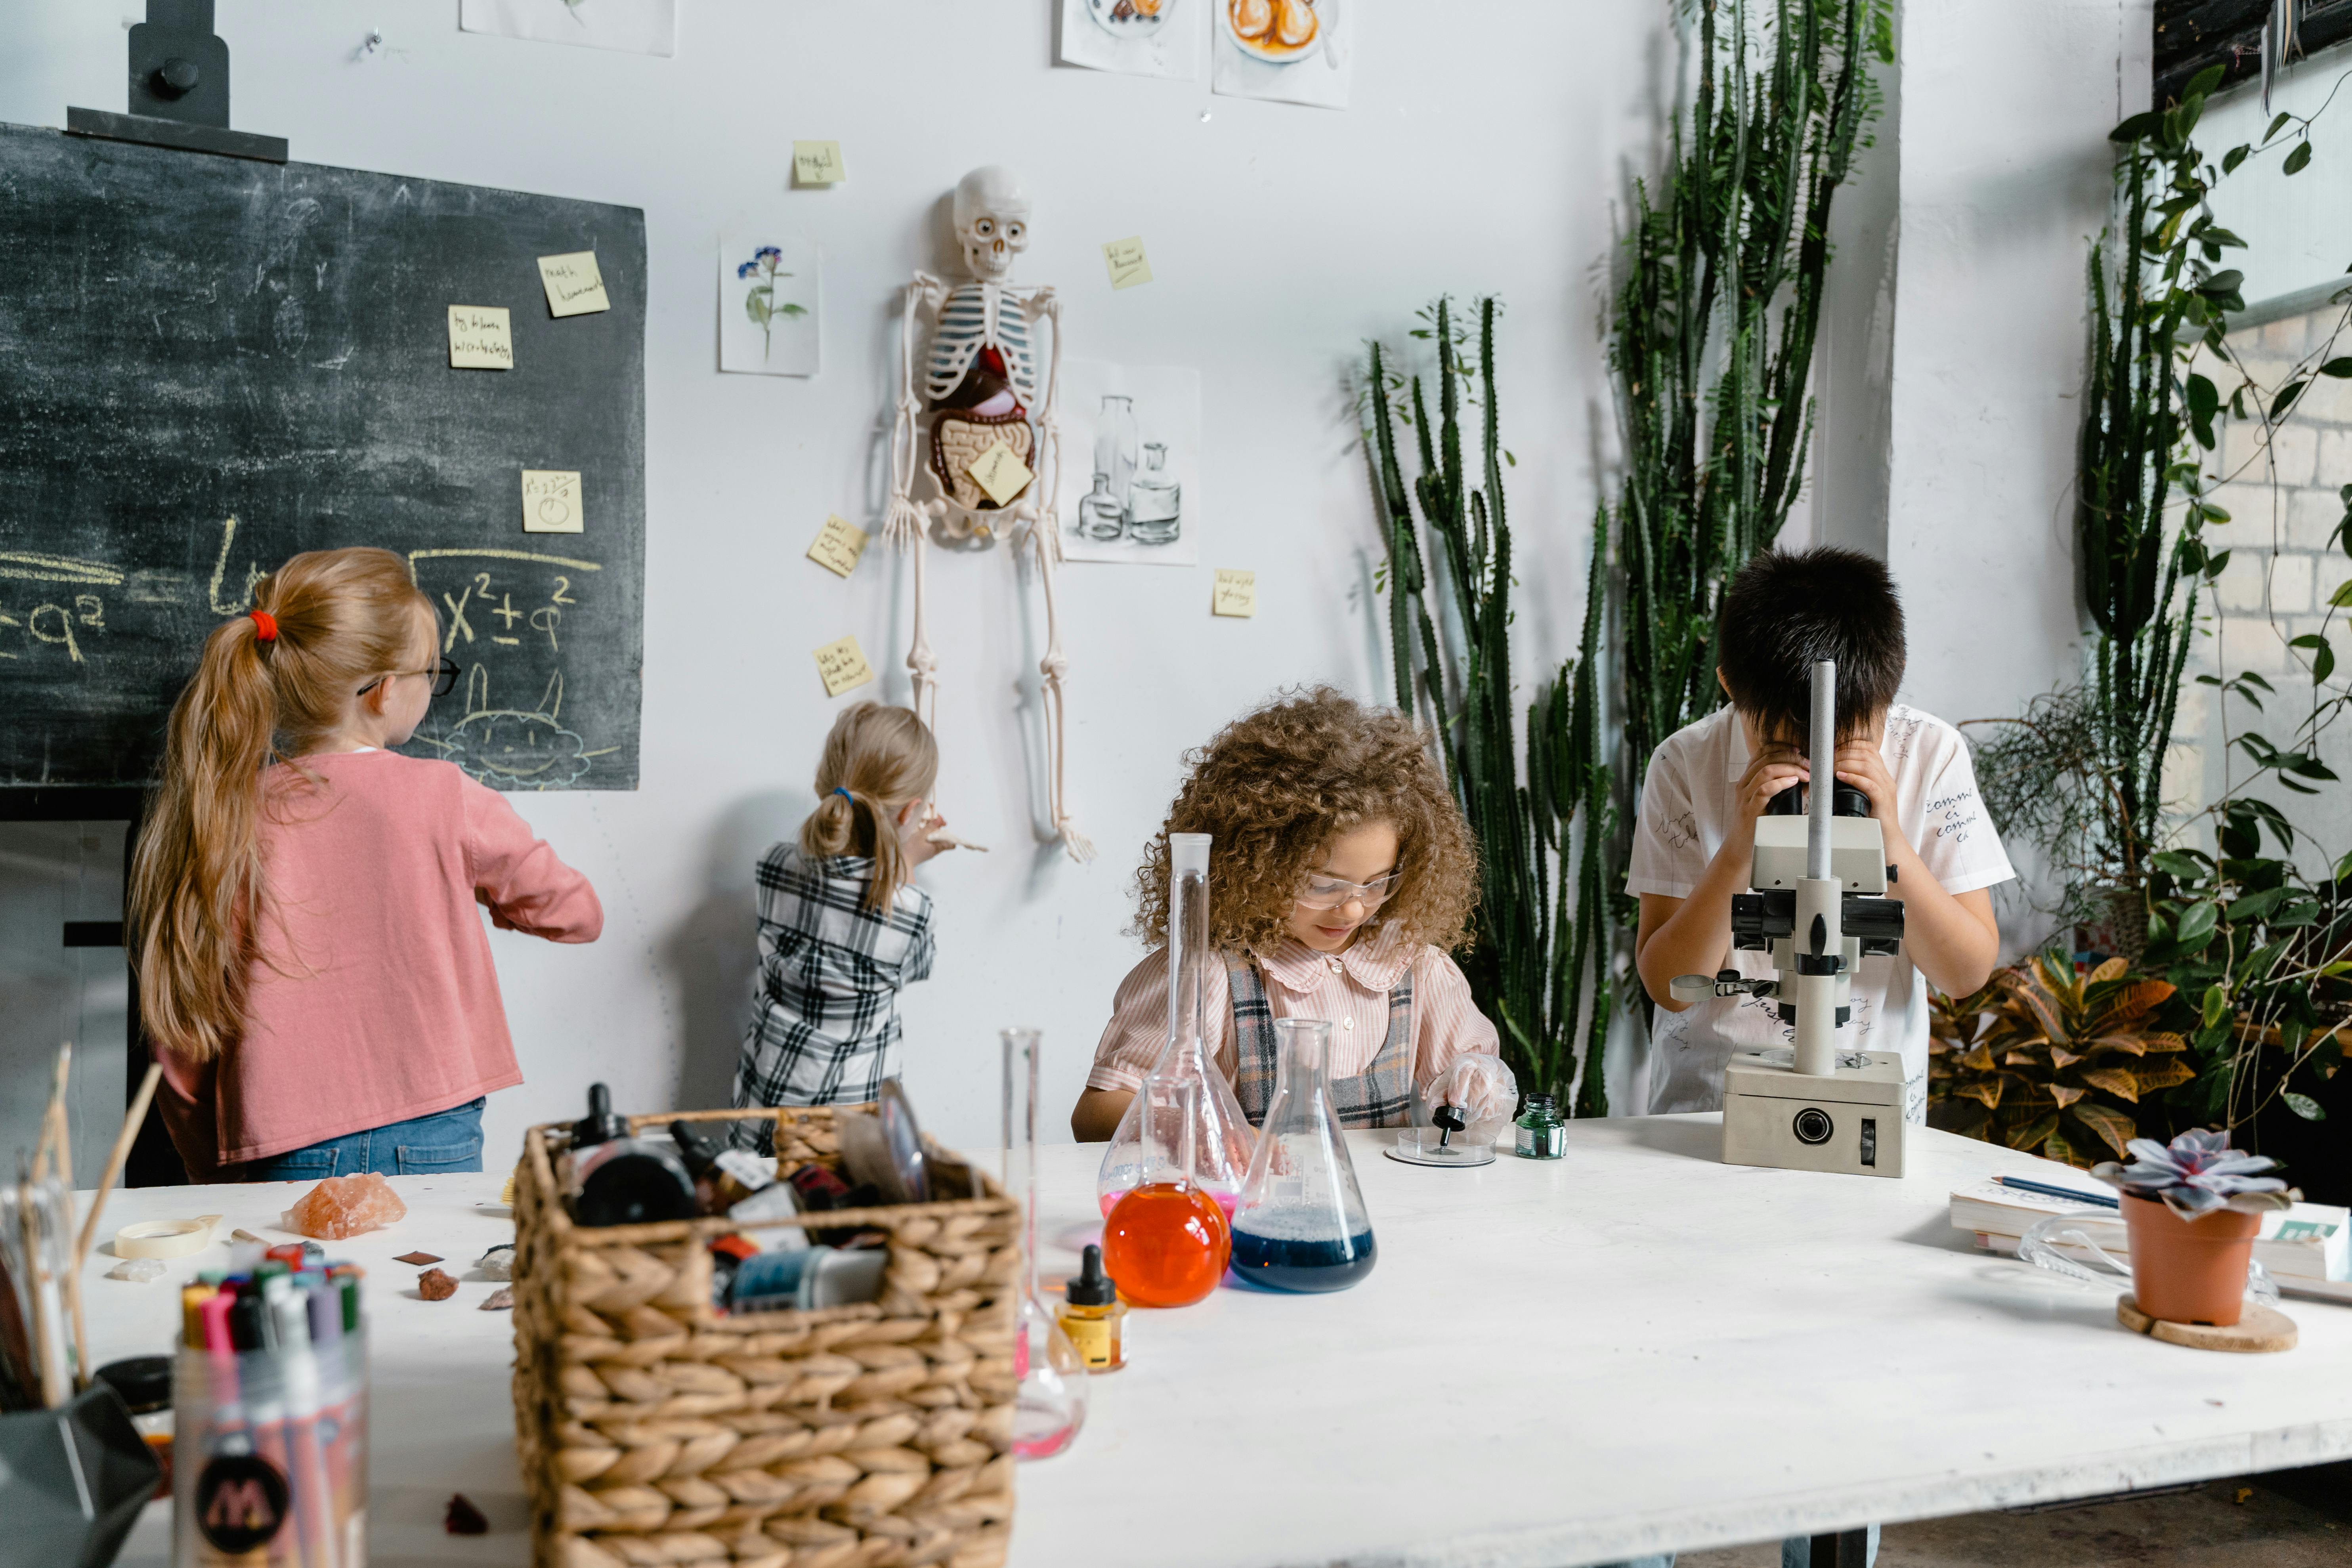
column 1379, row 1096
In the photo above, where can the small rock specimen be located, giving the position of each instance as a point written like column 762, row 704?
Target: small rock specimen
column 464, row 1518
column 418, row 1259
column 436, row 1286
column 139, row 1268
column 498, row 1263
column 341, row 1206
column 499, row 1300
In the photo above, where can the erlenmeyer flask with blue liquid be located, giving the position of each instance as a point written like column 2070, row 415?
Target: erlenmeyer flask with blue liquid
column 1301, row 1222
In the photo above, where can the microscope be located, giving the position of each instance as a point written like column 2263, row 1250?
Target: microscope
column 1818, row 905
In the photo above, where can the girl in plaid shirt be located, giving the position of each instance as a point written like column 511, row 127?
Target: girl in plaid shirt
column 841, row 924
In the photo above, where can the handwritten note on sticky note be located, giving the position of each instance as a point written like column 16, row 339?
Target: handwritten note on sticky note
column 818, row 164
column 842, row 667
column 1129, row 265
column 837, row 547
column 1237, row 594
column 999, row 473
column 575, row 286
column 551, row 502
column 479, row 338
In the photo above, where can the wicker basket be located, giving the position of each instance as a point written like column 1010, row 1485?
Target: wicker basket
column 654, row 1430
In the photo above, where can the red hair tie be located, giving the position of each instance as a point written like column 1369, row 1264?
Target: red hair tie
column 264, row 625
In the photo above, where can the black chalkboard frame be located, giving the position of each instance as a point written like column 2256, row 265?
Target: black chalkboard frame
column 207, row 365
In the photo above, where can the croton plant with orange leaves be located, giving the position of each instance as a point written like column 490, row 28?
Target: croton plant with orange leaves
column 2047, row 1060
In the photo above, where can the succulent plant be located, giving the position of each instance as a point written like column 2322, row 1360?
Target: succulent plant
column 2198, row 1174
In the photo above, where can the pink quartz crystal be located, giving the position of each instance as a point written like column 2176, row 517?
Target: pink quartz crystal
column 346, row 1205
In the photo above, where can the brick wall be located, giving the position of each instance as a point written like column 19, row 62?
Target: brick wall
column 2282, row 570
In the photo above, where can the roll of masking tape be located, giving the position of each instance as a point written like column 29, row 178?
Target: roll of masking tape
column 165, row 1237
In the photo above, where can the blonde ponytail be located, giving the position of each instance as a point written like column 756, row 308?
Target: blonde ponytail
column 877, row 762
column 268, row 684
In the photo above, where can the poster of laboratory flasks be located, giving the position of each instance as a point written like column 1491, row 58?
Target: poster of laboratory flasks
column 1131, row 481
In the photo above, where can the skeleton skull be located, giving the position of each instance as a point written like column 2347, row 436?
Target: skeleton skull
column 991, row 219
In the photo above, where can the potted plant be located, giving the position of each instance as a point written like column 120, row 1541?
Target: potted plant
column 2192, row 1211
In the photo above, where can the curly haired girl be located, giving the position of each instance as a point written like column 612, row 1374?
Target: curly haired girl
column 1323, row 814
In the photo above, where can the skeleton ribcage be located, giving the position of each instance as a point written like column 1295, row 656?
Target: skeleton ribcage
column 976, row 316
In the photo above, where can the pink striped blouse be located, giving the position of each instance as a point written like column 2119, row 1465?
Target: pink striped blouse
column 1350, row 988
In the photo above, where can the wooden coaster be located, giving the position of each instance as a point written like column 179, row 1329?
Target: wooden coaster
column 2262, row 1328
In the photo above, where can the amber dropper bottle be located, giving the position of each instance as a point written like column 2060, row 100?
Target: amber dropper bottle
column 1094, row 1316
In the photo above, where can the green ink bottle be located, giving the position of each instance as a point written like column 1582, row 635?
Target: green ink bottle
column 1542, row 1135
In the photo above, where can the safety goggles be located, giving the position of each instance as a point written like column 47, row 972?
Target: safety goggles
column 1330, row 892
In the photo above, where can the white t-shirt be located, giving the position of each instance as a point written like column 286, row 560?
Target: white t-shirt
column 1687, row 802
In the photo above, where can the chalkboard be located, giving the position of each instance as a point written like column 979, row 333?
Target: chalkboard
column 209, row 364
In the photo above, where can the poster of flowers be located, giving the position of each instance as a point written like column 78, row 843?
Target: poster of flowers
column 768, row 300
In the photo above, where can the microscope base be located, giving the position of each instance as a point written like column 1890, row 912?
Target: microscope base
column 1850, row 1121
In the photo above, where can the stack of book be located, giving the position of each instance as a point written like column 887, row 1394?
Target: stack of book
column 2307, row 1248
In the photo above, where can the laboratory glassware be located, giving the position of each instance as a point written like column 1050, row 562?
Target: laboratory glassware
column 1114, row 438
column 1540, row 1134
column 1155, row 501
column 1222, row 1138
column 1166, row 1241
column 1302, row 1225
column 1099, row 516
column 1050, row 1405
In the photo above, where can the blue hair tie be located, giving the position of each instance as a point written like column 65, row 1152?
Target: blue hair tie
column 845, row 794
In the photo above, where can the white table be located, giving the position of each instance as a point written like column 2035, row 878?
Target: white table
column 1632, row 1349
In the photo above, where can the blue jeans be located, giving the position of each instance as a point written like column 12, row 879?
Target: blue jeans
column 1795, row 1552
column 445, row 1142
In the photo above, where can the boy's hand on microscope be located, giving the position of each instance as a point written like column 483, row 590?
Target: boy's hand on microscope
column 1860, row 764
column 1772, row 770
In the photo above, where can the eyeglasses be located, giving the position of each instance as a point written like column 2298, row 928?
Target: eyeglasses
column 1330, row 892
column 444, row 673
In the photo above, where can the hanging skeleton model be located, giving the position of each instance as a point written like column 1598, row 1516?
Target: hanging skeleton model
column 978, row 386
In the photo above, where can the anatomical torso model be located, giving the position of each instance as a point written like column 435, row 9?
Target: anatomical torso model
column 981, row 385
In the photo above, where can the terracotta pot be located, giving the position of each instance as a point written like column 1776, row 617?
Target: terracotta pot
column 2190, row 1271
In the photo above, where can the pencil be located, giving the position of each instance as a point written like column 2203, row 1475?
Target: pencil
column 2021, row 1184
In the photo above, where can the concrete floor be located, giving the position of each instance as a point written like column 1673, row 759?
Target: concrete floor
column 2296, row 1519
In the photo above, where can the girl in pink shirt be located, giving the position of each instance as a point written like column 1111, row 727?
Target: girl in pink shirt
column 310, row 962
column 1341, row 875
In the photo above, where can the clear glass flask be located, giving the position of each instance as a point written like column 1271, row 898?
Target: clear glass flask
column 1114, row 443
column 1155, row 501
column 1099, row 516
column 1221, row 1135
column 1050, row 1405
column 1302, row 1225
column 1166, row 1241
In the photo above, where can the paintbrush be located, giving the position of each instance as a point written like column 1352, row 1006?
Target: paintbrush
column 132, row 1121
column 62, row 1152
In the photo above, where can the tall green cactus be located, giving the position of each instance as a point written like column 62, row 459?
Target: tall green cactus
column 1711, row 345
column 1531, row 963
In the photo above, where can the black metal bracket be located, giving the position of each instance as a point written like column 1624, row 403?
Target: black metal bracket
column 178, row 90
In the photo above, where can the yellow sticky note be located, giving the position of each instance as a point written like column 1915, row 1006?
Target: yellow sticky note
column 818, row 164
column 837, row 546
column 842, row 667
column 551, row 502
column 999, row 473
column 1129, row 265
column 575, row 286
column 1237, row 594
column 479, row 338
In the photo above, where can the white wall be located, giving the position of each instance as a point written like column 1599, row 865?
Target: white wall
column 2297, row 228
column 1280, row 237
column 2006, row 178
